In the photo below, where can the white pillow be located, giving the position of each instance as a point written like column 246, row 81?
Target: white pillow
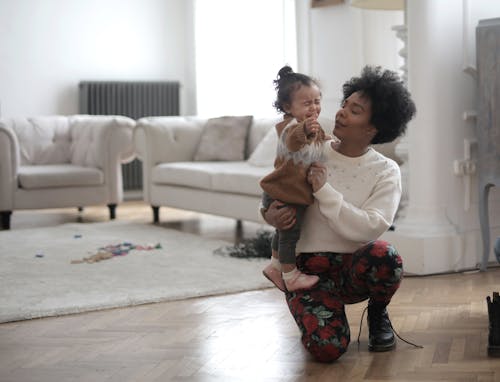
column 265, row 152
column 224, row 139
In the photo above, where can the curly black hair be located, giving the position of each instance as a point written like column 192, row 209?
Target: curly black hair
column 286, row 83
column 392, row 106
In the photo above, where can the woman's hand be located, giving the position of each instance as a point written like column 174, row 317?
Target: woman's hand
column 316, row 175
column 280, row 215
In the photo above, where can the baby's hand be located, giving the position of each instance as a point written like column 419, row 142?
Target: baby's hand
column 311, row 126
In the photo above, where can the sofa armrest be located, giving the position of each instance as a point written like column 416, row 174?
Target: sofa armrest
column 165, row 139
column 118, row 141
column 104, row 142
column 9, row 164
column 120, row 149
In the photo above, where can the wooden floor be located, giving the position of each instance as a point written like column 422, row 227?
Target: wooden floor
column 247, row 336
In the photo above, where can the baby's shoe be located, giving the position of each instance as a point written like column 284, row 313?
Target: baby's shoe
column 274, row 275
column 296, row 280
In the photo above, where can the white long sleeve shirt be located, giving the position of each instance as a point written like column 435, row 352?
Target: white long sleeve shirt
column 357, row 203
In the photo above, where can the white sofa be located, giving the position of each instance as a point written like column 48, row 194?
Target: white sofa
column 172, row 177
column 62, row 161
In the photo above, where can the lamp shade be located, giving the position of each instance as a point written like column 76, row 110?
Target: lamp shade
column 394, row 5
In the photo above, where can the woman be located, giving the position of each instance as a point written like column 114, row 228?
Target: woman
column 357, row 192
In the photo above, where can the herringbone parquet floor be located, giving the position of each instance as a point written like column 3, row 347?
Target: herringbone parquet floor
column 249, row 336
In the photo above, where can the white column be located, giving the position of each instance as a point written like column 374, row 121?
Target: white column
column 401, row 148
column 427, row 203
column 425, row 236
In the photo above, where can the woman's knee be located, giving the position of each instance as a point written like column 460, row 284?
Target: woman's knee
column 377, row 269
column 381, row 248
column 323, row 324
column 325, row 350
column 383, row 253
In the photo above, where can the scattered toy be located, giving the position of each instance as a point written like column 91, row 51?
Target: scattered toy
column 109, row 251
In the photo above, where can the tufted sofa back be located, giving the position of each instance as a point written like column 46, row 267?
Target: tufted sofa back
column 73, row 139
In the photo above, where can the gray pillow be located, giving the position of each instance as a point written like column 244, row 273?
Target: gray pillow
column 224, row 139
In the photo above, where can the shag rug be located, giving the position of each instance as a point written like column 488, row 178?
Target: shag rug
column 48, row 271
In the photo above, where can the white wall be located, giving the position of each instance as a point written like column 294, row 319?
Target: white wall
column 335, row 43
column 48, row 46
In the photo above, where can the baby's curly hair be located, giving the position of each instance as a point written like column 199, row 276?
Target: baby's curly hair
column 392, row 106
column 286, row 83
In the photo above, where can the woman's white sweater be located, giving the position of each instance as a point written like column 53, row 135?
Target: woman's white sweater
column 356, row 205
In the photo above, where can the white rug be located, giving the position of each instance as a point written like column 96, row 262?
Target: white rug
column 37, row 278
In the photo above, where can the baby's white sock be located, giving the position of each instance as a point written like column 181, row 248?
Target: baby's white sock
column 289, row 275
column 276, row 263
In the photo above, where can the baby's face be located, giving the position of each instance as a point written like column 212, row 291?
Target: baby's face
column 306, row 103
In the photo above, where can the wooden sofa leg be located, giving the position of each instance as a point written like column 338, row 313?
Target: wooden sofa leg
column 156, row 214
column 112, row 211
column 239, row 229
column 5, row 216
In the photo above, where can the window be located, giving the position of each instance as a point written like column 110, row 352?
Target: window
column 240, row 45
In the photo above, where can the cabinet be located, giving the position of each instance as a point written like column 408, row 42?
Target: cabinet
column 488, row 121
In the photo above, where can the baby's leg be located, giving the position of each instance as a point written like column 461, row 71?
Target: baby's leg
column 294, row 279
column 274, row 248
column 273, row 270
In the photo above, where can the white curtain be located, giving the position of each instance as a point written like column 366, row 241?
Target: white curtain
column 240, row 46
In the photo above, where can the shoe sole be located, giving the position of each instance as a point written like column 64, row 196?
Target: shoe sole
column 494, row 350
column 270, row 279
column 382, row 348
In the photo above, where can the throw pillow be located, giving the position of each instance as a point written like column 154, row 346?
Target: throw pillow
column 223, row 139
column 265, row 152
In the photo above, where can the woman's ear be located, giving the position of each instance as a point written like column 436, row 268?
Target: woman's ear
column 371, row 130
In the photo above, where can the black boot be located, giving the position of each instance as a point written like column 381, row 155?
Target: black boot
column 380, row 333
column 494, row 325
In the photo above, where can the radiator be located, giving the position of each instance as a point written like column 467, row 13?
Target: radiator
column 134, row 100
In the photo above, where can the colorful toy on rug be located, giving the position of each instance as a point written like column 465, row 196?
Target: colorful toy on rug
column 259, row 246
column 109, row 251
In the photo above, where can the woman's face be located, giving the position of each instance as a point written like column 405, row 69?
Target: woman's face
column 306, row 103
column 352, row 122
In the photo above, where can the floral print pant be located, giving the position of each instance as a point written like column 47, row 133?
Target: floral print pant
column 372, row 272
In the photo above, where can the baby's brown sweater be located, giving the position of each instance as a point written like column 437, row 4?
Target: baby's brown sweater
column 288, row 181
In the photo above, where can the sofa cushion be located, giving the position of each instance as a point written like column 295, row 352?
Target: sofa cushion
column 234, row 177
column 188, row 174
column 265, row 152
column 239, row 178
column 258, row 130
column 63, row 175
column 224, row 139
